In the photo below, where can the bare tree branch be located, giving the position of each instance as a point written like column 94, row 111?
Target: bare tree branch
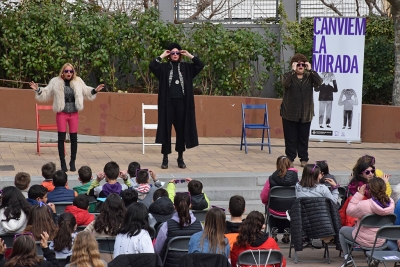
column 382, row 13
column 201, row 6
column 332, row 6
column 358, row 8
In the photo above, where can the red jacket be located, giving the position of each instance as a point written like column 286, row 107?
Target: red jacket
column 265, row 242
column 83, row 217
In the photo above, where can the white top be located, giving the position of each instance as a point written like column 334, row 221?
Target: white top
column 137, row 244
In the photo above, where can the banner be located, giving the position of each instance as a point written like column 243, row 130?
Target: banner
column 338, row 57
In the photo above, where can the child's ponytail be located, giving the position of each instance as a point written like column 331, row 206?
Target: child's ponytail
column 66, row 226
column 282, row 165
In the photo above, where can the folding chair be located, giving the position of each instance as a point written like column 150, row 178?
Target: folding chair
column 60, row 206
column 177, row 244
column 203, row 259
column 200, row 214
column 342, row 194
column 106, row 244
column 280, row 198
column 260, row 258
column 8, row 239
column 39, row 250
column 80, row 228
column 43, row 127
column 148, row 126
column 371, row 221
column 388, row 233
column 252, row 126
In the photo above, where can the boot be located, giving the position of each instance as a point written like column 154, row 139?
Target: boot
column 286, row 236
column 164, row 164
column 181, row 163
column 61, row 150
column 274, row 233
column 74, row 149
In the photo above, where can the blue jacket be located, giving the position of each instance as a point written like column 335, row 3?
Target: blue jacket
column 194, row 245
column 33, row 202
column 61, row 194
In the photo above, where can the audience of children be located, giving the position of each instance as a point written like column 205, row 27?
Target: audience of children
column 37, row 193
column 24, row 252
column 237, row 206
column 378, row 203
column 14, row 211
column 48, row 171
column 79, row 209
column 22, row 181
column 110, row 174
column 60, row 193
column 182, row 223
column 162, row 207
column 211, row 239
column 110, row 219
column 41, row 220
column 144, row 189
column 85, row 251
column 284, row 175
column 64, row 239
column 199, row 200
column 84, row 176
column 134, row 235
column 251, row 236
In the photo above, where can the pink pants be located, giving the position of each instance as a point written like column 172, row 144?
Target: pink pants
column 63, row 118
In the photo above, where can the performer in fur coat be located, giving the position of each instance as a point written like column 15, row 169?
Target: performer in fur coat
column 68, row 91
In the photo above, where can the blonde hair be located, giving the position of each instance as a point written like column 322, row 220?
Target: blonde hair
column 61, row 74
column 85, row 251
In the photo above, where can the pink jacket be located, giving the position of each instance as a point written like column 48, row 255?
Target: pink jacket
column 358, row 208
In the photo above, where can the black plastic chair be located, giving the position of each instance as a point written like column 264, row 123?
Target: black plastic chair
column 8, row 239
column 204, row 260
column 255, row 126
column 60, row 206
column 260, row 258
column 106, row 244
column 200, row 214
column 388, row 233
column 177, row 244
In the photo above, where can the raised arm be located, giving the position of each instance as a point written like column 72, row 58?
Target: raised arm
column 155, row 64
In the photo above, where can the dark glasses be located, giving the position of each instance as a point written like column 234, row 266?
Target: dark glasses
column 70, row 71
column 27, row 233
column 368, row 172
column 175, row 53
column 138, row 170
column 301, row 65
column 212, row 206
column 179, row 181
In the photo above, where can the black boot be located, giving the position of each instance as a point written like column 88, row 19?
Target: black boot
column 61, row 150
column 164, row 164
column 74, row 149
column 181, row 163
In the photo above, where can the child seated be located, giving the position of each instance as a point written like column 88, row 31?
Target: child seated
column 144, row 189
column 60, row 193
column 129, row 196
column 110, row 174
column 64, row 239
column 84, row 176
column 132, row 168
column 79, row 209
column 37, row 193
column 237, row 206
column 22, row 181
column 48, row 171
column 162, row 207
column 199, row 200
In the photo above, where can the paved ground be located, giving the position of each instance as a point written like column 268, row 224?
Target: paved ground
column 219, row 156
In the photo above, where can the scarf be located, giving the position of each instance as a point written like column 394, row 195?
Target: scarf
column 112, row 188
column 142, row 190
column 180, row 76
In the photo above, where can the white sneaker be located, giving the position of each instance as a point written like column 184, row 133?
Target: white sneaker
column 348, row 263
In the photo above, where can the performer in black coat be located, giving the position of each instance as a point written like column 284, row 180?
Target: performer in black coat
column 176, row 101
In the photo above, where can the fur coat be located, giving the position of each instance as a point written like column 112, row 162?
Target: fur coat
column 55, row 89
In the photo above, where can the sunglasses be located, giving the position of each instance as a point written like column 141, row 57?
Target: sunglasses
column 371, row 157
column 175, row 53
column 179, row 181
column 27, row 233
column 138, row 170
column 212, row 206
column 301, row 65
column 368, row 172
column 70, row 71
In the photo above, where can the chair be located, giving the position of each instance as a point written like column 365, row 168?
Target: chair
column 200, row 214
column 372, row 221
column 388, row 233
column 39, row 250
column 43, row 127
column 60, row 206
column 8, row 239
column 259, row 258
column 136, row 260
column 80, row 228
column 64, row 261
column 251, row 126
column 148, row 126
column 106, row 244
column 280, row 198
column 177, row 244
column 204, row 260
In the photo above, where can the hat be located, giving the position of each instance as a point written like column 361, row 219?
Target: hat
column 174, row 45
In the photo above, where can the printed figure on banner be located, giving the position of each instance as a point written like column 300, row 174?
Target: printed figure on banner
column 326, row 90
column 348, row 103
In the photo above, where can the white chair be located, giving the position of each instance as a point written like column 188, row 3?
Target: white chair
column 148, row 126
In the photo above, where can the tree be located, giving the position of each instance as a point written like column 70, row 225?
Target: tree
column 395, row 11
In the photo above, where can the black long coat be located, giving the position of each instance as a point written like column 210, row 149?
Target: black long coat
column 189, row 72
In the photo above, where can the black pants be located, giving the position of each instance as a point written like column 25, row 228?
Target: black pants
column 347, row 114
column 278, row 223
column 296, row 139
column 177, row 112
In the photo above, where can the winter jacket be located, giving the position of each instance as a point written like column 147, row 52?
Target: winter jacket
column 136, row 260
column 140, row 243
column 50, row 261
column 13, row 225
column 95, row 189
column 262, row 243
column 61, row 194
column 358, row 208
column 82, row 189
column 162, row 209
column 345, row 218
column 199, row 202
column 73, row 265
column 83, row 217
column 55, row 89
column 204, row 260
column 171, row 229
column 314, row 217
column 231, row 232
column 196, row 247
column 33, row 202
column 319, row 190
column 147, row 199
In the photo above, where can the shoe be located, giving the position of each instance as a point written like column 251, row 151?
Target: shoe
column 328, row 126
column 348, row 263
column 164, row 164
column 344, row 127
column 349, row 128
column 307, row 242
column 72, row 167
column 181, row 163
column 321, row 127
column 274, row 233
column 286, row 236
column 63, row 165
column 373, row 263
column 303, row 163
